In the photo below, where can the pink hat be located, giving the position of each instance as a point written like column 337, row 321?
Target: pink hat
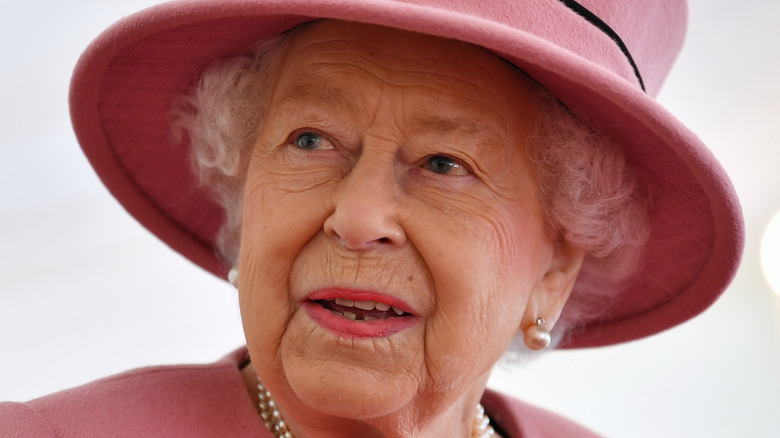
column 604, row 59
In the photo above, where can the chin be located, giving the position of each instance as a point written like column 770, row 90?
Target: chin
column 349, row 392
column 350, row 378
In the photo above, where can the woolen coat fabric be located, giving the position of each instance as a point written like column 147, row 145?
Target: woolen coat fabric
column 199, row 401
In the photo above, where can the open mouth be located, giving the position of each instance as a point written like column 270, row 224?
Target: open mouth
column 358, row 314
column 361, row 310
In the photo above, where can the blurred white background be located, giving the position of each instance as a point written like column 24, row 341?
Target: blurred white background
column 86, row 292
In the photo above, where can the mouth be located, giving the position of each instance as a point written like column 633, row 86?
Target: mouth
column 362, row 310
column 358, row 314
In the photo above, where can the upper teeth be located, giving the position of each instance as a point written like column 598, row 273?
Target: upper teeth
column 368, row 305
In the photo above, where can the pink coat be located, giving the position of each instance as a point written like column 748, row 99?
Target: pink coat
column 196, row 401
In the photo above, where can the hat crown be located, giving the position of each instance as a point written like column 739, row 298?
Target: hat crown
column 651, row 32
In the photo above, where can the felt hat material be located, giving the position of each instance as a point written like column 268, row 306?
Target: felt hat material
column 596, row 56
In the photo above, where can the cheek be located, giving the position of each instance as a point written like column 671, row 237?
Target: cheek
column 483, row 240
column 484, row 268
column 277, row 222
column 283, row 207
column 484, row 263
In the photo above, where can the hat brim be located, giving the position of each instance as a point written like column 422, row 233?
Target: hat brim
column 126, row 81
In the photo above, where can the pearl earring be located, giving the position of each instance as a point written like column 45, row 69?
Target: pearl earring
column 537, row 337
column 233, row 277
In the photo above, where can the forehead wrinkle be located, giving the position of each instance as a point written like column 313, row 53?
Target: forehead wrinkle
column 347, row 58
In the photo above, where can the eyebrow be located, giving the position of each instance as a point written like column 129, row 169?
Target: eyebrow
column 482, row 134
column 449, row 124
column 339, row 98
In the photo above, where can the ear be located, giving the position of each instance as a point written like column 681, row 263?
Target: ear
column 553, row 289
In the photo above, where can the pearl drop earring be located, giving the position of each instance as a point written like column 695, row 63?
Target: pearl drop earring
column 233, row 277
column 537, row 337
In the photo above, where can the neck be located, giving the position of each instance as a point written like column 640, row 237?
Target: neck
column 453, row 419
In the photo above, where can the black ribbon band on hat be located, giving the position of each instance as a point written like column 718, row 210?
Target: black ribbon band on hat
column 596, row 21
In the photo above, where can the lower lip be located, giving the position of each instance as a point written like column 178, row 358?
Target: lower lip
column 346, row 328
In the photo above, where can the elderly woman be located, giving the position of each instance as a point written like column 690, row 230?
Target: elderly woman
column 399, row 191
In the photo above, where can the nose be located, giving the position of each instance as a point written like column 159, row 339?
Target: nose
column 366, row 207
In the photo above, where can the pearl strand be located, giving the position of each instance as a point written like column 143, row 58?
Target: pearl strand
column 481, row 427
column 270, row 414
column 272, row 418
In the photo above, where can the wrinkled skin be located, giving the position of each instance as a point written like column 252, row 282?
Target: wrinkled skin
column 393, row 162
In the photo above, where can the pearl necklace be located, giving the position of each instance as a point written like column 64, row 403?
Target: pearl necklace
column 272, row 418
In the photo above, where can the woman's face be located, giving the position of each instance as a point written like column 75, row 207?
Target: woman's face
column 390, row 177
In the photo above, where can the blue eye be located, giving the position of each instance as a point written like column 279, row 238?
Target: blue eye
column 444, row 165
column 308, row 141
